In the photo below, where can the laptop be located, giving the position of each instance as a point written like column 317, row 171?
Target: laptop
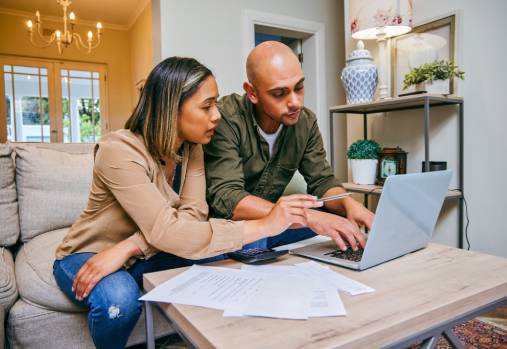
column 404, row 222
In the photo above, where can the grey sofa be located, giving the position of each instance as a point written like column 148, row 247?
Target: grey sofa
column 43, row 189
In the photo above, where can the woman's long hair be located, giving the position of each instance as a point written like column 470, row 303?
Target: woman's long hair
column 155, row 117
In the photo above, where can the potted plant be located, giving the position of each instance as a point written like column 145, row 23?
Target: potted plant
column 363, row 155
column 428, row 72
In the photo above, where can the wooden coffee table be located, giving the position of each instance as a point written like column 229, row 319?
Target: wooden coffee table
column 419, row 296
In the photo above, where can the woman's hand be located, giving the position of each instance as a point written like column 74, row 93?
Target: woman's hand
column 289, row 210
column 101, row 265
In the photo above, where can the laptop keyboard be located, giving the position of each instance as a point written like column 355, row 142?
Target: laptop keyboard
column 348, row 254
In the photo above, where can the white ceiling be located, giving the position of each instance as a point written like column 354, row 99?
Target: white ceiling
column 117, row 12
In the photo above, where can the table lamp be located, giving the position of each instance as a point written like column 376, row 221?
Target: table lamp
column 380, row 19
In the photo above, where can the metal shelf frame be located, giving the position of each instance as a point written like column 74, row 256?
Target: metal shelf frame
column 423, row 101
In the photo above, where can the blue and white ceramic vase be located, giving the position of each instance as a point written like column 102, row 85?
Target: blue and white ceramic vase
column 360, row 76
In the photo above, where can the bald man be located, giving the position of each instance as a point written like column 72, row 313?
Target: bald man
column 266, row 135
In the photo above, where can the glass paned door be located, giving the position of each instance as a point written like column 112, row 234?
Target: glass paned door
column 27, row 106
column 52, row 101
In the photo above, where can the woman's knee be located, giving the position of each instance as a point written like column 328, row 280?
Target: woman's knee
column 115, row 298
column 65, row 270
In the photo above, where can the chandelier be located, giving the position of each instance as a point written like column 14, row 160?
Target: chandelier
column 64, row 38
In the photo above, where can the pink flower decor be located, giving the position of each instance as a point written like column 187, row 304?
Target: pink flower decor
column 396, row 20
column 381, row 18
column 354, row 25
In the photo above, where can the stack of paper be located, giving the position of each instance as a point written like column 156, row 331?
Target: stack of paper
column 288, row 291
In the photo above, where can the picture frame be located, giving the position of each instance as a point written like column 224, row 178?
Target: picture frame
column 392, row 161
column 412, row 48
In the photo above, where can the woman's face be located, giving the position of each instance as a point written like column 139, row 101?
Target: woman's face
column 199, row 116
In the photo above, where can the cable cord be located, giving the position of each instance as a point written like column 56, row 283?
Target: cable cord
column 466, row 216
column 468, row 223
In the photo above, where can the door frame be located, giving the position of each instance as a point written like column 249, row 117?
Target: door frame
column 251, row 18
column 54, row 67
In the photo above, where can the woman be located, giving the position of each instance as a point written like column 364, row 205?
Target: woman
column 148, row 195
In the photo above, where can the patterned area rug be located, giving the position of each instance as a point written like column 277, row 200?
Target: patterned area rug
column 476, row 334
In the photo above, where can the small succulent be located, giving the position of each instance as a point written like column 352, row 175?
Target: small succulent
column 437, row 70
column 364, row 149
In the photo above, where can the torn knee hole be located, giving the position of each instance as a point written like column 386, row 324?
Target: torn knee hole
column 114, row 312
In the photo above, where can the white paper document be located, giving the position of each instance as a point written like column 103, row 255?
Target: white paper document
column 324, row 298
column 335, row 279
column 280, row 291
column 283, row 297
column 238, row 291
column 210, row 287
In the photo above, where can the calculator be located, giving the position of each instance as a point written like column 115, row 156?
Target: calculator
column 256, row 255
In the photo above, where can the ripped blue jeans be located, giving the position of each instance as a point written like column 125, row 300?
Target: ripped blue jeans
column 113, row 305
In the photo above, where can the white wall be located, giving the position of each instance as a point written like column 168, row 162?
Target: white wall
column 481, row 51
column 211, row 31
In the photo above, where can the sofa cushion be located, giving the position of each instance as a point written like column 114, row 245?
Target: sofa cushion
column 9, row 229
column 8, row 288
column 34, row 273
column 2, row 331
column 53, row 182
column 33, row 327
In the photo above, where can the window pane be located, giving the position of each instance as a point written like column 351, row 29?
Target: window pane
column 26, row 70
column 80, row 74
column 30, row 109
column 9, row 106
column 80, row 90
column 31, row 112
column 95, row 75
column 88, row 110
column 83, row 108
column 96, row 110
column 43, row 71
column 7, row 68
column 67, row 127
column 27, row 116
column 64, row 72
column 46, row 132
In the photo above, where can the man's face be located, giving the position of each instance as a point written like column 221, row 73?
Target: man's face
column 280, row 93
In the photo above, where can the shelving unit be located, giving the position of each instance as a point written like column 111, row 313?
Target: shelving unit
column 423, row 101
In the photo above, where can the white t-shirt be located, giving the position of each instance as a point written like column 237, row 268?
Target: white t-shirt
column 271, row 138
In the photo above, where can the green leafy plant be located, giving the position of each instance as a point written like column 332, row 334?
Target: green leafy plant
column 437, row 70
column 364, row 149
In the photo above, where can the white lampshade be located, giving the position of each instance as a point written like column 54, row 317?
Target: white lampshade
column 368, row 18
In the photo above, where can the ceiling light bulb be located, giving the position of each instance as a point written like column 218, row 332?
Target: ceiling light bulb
column 90, row 35
column 99, row 25
column 72, row 16
column 58, row 34
column 29, row 24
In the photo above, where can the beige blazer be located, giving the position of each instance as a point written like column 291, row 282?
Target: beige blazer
column 130, row 198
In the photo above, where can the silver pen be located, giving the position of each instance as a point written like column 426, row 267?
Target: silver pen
column 333, row 197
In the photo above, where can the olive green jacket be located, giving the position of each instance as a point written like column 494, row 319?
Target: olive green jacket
column 238, row 164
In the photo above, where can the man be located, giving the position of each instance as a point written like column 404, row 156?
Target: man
column 263, row 138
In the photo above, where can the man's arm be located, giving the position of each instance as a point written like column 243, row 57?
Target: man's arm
column 314, row 166
column 225, row 185
column 252, row 207
column 321, row 182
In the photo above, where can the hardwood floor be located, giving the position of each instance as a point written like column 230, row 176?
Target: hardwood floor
column 497, row 317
